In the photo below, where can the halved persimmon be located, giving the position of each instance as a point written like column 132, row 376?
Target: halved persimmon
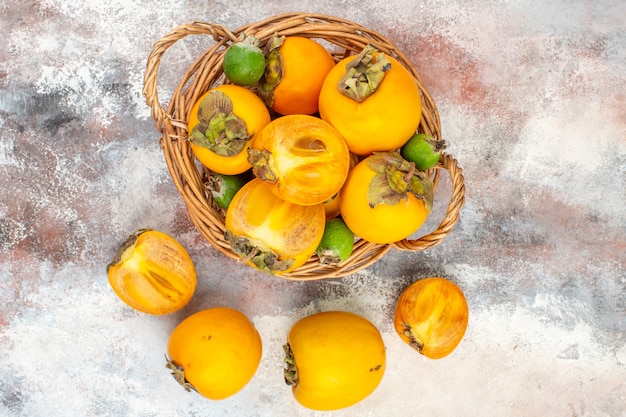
column 303, row 156
column 431, row 316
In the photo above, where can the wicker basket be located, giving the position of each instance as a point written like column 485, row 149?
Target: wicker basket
column 343, row 38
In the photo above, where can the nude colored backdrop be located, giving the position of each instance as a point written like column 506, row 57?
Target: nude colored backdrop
column 531, row 97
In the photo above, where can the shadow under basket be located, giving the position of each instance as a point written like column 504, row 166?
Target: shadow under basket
column 342, row 38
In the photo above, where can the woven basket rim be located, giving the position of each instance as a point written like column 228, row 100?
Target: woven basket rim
column 346, row 38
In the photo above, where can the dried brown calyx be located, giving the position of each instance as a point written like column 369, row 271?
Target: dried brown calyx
column 178, row 372
column 290, row 371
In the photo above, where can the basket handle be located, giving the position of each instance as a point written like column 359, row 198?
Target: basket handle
column 457, row 199
column 220, row 34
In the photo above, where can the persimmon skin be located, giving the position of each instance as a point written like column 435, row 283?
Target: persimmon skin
column 305, row 66
column 332, row 207
column 431, row 316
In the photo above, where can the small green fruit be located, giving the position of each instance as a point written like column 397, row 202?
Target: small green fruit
column 224, row 187
column 423, row 150
column 244, row 62
column 337, row 242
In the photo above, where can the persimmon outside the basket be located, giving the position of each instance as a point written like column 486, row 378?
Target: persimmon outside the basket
column 343, row 38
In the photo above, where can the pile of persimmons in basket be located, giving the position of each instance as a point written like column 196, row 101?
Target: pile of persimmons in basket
column 323, row 141
column 306, row 154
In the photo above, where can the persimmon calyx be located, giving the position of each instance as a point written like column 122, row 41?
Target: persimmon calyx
column 262, row 162
column 249, row 40
column 218, row 128
column 395, row 178
column 256, row 252
column 364, row 74
column 179, row 374
column 437, row 145
column 329, row 257
column 273, row 74
column 123, row 251
column 414, row 340
column 290, row 371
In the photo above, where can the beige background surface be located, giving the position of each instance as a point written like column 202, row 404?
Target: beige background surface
column 531, row 98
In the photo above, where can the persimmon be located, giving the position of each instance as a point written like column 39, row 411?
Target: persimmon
column 372, row 100
column 431, row 316
column 269, row 233
column 295, row 71
column 223, row 125
column 305, row 157
column 153, row 273
column 215, row 352
column 334, row 359
column 384, row 199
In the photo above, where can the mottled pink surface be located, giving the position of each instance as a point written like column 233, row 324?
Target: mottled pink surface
column 531, row 97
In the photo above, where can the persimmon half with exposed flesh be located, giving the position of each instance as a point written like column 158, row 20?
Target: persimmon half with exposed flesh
column 431, row 316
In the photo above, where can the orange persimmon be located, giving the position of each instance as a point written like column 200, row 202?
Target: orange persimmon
column 215, row 352
column 296, row 69
column 153, row 273
column 431, row 316
column 223, row 125
column 372, row 100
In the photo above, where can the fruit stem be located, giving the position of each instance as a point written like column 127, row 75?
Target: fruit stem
column 262, row 161
column 249, row 40
column 273, row 74
column 219, row 129
column 253, row 252
column 328, row 257
column 262, row 257
column 410, row 172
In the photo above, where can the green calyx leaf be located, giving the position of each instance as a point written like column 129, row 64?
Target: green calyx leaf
column 273, row 70
column 219, row 129
column 256, row 252
column 364, row 74
column 395, row 178
column 262, row 162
